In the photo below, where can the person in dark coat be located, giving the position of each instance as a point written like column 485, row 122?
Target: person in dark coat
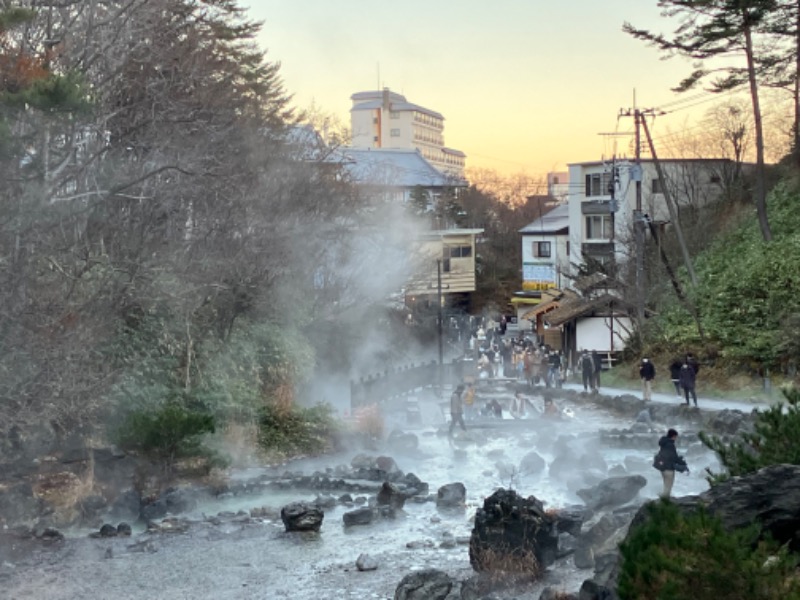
column 675, row 376
column 598, row 366
column 647, row 371
column 457, row 409
column 587, row 370
column 668, row 461
column 687, row 379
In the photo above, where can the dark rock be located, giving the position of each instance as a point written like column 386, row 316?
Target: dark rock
column 612, row 492
column 451, row 495
column 108, row 531
column 301, row 516
column 570, row 520
column 366, row 563
column 388, row 465
column 769, row 497
column 325, row 501
column 402, row 442
column 726, row 421
column 513, row 534
column 48, row 534
column 124, row 530
column 532, row 463
column 363, row 461
column 154, row 510
column 390, row 495
column 345, row 499
column 553, row 593
column 430, row 584
column 413, row 484
column 592, row 590
column 359, row 516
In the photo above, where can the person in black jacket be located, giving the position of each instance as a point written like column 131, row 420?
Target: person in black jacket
column 675, row 376
column 668, row 461
column 587, row 371
column 688, row 376
column 647, row 371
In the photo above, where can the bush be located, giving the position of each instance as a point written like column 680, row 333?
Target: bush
column 294, row 430
column 166, row 434
column 773, row 440
column 678, row 556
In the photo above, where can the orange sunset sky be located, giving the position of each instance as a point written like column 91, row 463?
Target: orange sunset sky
column 525, row 86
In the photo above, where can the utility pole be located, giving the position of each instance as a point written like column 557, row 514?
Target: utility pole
column 673, row 212
column 439, row 305
column 638, row 217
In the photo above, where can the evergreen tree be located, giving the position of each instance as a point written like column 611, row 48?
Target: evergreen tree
column 677, row 556
column 773, row 440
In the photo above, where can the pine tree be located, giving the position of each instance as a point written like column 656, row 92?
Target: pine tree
column 772, row 441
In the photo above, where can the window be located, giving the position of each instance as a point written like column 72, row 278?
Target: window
column 457, row 252
column 715, row 179
column 541, row 249
column 395, row 133
column 599, row 227
column 656, row 186
column 598, row 184
column 393, row 114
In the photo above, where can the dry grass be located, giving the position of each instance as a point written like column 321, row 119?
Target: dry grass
column 63, row 491
column 500, row 565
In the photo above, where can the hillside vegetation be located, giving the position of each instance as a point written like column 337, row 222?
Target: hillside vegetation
column 747, row 297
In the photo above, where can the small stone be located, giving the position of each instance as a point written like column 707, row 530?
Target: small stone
column 366, row 563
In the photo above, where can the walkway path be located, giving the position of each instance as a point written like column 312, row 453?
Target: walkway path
column 660, row 397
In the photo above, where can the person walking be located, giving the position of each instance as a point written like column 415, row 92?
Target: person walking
column 647, row 371
column 687, row 379
column 457, row 409
column 598, row 366
column 587, row 370
column 675, row 376
column 469, row 401
column 668, row 461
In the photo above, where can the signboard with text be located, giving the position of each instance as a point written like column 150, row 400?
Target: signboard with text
column 541, row 276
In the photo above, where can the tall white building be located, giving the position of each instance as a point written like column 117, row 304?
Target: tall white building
column 602, row 209
column 385, row 119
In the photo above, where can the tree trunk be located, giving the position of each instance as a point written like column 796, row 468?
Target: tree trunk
column 761, row 187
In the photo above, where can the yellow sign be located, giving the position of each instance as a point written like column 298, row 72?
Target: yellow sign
column 537, row 285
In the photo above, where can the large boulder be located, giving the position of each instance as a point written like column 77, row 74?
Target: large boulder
column 513, row 534
column 532, row 463
column 769, row 497
column 390, row 495
column 451, row 495
column 429, row 584
column 612, row 492
column 359, row 516
column 301, row 516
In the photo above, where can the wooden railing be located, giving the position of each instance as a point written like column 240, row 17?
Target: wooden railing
column 377, row 388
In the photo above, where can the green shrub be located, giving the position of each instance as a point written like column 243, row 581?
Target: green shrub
column 297, row 430
column 773, row 440
column 689, row 556
column 166, row 434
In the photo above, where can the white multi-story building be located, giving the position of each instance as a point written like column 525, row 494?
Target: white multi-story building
column 385, row 119
column 545, row 250
column 602, row 210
